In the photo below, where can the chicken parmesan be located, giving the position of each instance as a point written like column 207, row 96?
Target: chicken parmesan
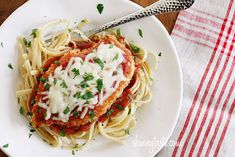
column 81, row 86
column 74, row 87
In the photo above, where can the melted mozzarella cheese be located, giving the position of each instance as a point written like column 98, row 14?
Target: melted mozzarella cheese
column 77, row 87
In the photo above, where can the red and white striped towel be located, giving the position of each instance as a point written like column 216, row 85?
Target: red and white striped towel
column 204, row 36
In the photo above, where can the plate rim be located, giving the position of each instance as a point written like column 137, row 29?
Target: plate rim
column 175, row 52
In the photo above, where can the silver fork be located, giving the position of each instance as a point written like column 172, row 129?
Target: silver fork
column 162, row 6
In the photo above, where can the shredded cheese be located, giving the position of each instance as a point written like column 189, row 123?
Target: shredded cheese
column 83, row 83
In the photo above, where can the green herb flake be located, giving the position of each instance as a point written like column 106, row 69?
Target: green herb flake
column 5, row 146
column 55, row 81
column 29, row 114
column 62, row 132
column 73, row 152
column 134, row 48
column 88, row 95
column 109, row 113
column 88, row 77
column 91, row 114
column 57, row 62
column 100, row 62
column 118, row 31
column 30, row 135
column 34, row 33
column 75, row 114
column 63, row 84
column 66, row 111
column 47, row 86
column 83, row 84
column 22, row 110
column 111, row 46
column 160, row 54
column 99, row 83
column 70, row 30
column 1, row 44
column 77, row 95
column 115, row 57
column 32, row 130
column 45, row 114
column 120, row 107
column 44, row 80
column 140, row 33
column 18, row 99
column 75, row 72
column 26, row 43
column 129, row 112
column 10, row 66
column 100, row 8
column 127, row 131
column 39, row 110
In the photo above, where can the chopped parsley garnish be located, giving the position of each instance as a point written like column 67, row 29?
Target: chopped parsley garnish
column 43, row 80
column 118, row 31
column 75, row 72
column 30, row 135
column 1, row 44
column 45, row 114
column 109, row 113
column 32, row 130
column 84, row 84
column 5, row 146
column 129, row 112
column 88, row 95
column 47, row 86
column 115, row 57
column 134, row 48
column 73, row 152
column 18, row 99
column 62, row 133
column 34, row 33
column 21, row 110
column 127, row 131
column 55, row 81
column 33, row 101
column 77, row 95
column 100, row 62
column 99, row 83
column 91, row 114
column 140, row 33
column 43, row 69
column 39, row 110
column 29, row 114
column 26, row 43
column 111, row 46
column 63, row 84
column 100, row 8
column 57, row 62
column 84, row 21
column 160, row 54
column 120, row 107
column 88, row 77
column 10, row 66
column 66, row 111
column 75, row 114
column 70, row 30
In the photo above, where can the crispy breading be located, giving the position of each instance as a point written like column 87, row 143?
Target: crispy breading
column 128, row 68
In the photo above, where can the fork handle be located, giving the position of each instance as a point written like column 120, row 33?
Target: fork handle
column 162, row 6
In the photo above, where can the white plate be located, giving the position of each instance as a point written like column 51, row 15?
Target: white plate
column 155, row 121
